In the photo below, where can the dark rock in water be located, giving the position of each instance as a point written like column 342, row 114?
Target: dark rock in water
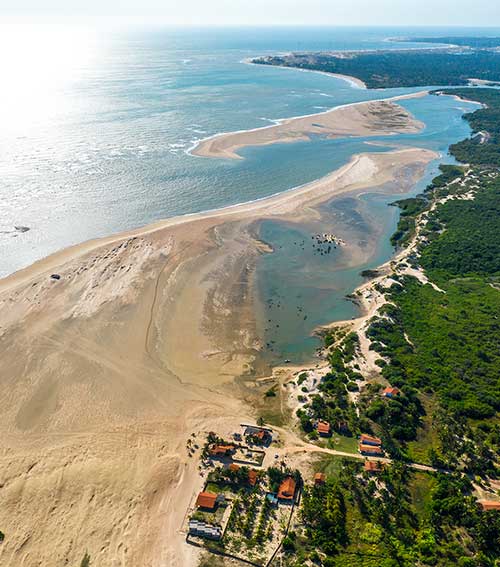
column 55, row 276
column 22, row 228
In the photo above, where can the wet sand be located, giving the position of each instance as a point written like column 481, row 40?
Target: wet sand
column 372, row 118
column 107, row 370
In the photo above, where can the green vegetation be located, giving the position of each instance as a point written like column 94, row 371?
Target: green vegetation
column 398, row 518
column 484, row 147
column 405, row 68
column 85, row 561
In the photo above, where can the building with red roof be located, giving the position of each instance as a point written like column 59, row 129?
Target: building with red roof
column 286, row 490
column 390, row 392
column 370, row 440
column 373, row 467
column 370, row 450
column 221, row 450
column 489, row 504
column 319, row 478
column 323, row 428
column 206, row 500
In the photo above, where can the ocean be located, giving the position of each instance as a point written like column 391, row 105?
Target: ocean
column 96, row 131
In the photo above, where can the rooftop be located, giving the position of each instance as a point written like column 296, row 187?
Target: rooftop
column 206, row 500
column 323, row 427
column 372, row 449
column 373, row 466
column 489, row 504
column 287, row 489
column 390, row 391
column 370, row 440
column 319, row 478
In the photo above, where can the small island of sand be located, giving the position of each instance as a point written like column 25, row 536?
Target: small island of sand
column 372, row 118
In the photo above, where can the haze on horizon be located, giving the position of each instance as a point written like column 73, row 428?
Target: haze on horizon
column 482, row 13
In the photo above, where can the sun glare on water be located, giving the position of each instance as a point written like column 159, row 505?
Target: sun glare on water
column 37, row 64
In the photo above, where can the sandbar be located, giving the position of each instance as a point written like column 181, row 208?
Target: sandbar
column 371, row 118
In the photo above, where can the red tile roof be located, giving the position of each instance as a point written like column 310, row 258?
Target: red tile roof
column 489, row 504
column 373, row 466
column 221, row 449
column 206, row 500
column 369, row 439
column 234, row 467
column 323, row 427
column 252, row 477
column 390, row 392
column 287, row 489
column 371, row 449
column 319, row 478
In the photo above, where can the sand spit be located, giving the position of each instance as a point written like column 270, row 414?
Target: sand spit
column 372, row 118
column 115, row 351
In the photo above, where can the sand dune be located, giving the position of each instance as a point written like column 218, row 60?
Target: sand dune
column 373, row 118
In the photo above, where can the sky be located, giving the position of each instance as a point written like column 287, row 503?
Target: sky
column 258, row 12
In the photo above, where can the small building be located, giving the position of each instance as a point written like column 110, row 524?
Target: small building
column 272, row 498
column 370, row 450
column 390, row 392
column 252, row 477
column 221, row 450
column 373, row 467
column 487, row 505
column 370, row 440
column 259, row 435
column 286, row 490
column 209, row 500
column 323, row 428
column 202, row 529
column 319, row 479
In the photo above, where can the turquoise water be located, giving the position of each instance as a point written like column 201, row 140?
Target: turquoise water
column 96, row 144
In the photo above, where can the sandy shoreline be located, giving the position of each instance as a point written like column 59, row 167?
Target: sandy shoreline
column 370, row 118
column 353, row 81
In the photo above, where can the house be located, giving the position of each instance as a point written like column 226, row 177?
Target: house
column 209, row 500
column 259, row 435
column 201, row 529
column 323, row 428
column 252, row 477
column 221, row 450
column 487, row 505
column 370, row 450
column 370, row 440
column 390, row 392
column 373, row 467
column 319, row 479
column 286, row 490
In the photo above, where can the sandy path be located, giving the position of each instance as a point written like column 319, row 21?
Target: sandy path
column 372, row 118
